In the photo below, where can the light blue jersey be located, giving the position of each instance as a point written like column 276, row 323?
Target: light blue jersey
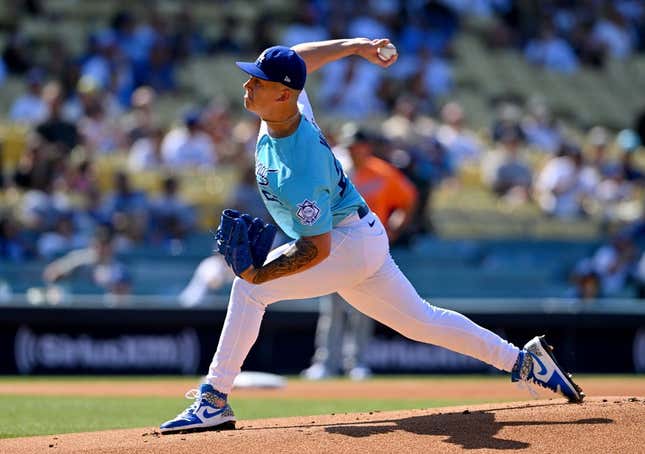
column 302, row 184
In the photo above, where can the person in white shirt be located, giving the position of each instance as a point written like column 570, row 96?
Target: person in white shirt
column 145, row 152
column 560, row 188
column 30, row 108
column 188, row 146
column 463, row 145
column 211, row 274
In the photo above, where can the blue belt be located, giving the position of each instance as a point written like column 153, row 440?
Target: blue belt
column 362, row 211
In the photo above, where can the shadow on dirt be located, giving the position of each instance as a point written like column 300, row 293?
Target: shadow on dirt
column 474, row 430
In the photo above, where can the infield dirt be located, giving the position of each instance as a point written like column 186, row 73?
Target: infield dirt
column 599, row 425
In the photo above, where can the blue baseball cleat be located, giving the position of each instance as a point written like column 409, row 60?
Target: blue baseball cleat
column 536, row 364
column 209, row 411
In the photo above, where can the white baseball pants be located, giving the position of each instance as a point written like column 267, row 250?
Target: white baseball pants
column 362, row 271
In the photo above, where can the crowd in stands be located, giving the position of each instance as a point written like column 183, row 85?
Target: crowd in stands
column 80, row 108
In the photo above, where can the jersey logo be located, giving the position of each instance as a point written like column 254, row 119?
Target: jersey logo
column 308, row 212
column 261, row 172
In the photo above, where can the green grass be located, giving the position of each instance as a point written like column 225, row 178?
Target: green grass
column 26, row 415
column 22, row 416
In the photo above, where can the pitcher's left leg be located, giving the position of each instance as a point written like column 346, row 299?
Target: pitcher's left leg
column 388, row 297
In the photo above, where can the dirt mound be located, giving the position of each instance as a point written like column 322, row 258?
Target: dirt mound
column 600, row 425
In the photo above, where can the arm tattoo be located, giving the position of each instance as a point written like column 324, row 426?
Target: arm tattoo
column 300, row 254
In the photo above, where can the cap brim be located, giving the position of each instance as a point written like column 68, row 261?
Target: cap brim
column 252, row 69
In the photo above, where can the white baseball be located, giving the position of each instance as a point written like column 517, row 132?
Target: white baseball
column 387, row 52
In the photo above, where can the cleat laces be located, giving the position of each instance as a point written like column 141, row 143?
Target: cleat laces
column 190, row 411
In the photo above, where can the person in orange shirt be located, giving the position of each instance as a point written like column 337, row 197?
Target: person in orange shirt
column 387, row 191
column 343, row 333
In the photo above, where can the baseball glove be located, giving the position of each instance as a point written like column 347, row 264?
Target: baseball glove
column 261, row 238
column 233, row 241
column 260, row 235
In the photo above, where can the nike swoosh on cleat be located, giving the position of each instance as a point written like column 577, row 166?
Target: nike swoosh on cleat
column 543, row 369
column 210, row 415
column 371, row 224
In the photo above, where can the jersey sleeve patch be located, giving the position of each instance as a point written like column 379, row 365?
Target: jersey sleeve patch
column 308, row 212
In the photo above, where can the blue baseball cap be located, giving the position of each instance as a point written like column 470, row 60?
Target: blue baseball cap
column 278, row 64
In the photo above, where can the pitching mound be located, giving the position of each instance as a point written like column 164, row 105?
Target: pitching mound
column 600, row 425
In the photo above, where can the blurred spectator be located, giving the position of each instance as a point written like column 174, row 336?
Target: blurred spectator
column 614, row 262
column 39, row 210
column 389, row 194
column 304, row 28
column 612, row 193
column 211, row 274
column 440, row 23
column 188, row 146
column 427, row 164
column 598, row 144
column 369, row 22
column 100, row 133
column 62, row 239
column 36, row 166
column 216, row 121
column 132, row 38
column 540, row 128
column 95, row 265
column 586, row 282
column 158, row 70
column 434, row 74
column 17, row 54
column 462, row 144
column 81, row 176
column 628, row 142
column 171, row 218
column 141, row 119
column 55, row 129
column 145, row 153
column 30, row 108
column 551, row 52
column 127, row 209
column 89, row 213
column 613, row 33
column 400, row 126
column 506, row 172
column 349, row 88
column 507, row 121
column 560, row 190
column 109, row 68
column 14, row 243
